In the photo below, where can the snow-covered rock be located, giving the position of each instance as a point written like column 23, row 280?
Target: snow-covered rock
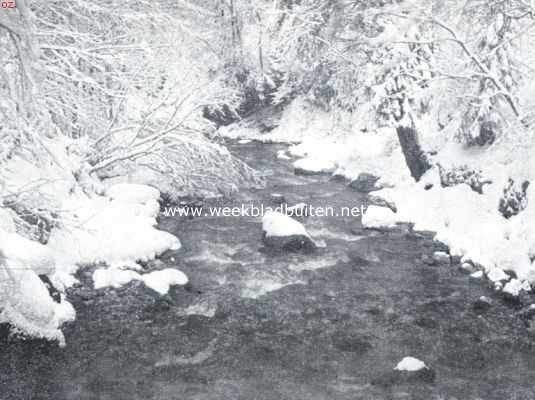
column 515, row 286
column 114, row 277
column 283, row 232
column 467, row 267
column 117, row 233
column 410, row 364
column 161, row 281
column 408, row 370
column 482, row 304
column 477, row 275
column 365, row 183
column 497, row 275
column 27, row 306
column 314, row 166
column 379, row 217
column 441, row 257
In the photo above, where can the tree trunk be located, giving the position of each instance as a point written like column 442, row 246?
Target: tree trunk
column 415, row 157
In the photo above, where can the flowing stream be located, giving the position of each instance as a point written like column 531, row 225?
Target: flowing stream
column 258, row 325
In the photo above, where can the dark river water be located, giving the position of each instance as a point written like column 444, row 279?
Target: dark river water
column 255, row 325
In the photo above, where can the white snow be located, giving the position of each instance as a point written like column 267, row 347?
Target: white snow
column 477, row 274
column 515, row 286
column 28, row 307
column 105, row 277
column 118, row 232
column 496, row 275
column 277, row 224
column 410, row 364
column 281, row 155
column 316, row 165
column 25, row 253
column 134, row 193
column 160, row 281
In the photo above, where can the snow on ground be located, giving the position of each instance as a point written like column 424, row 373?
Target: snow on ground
column 26, row 303
column 25, row 253
column 133, row 193
column 117, row 231
column 277, row 224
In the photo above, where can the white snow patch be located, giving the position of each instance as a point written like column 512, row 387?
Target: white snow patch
column 496, row 275
column 104, row 277
column 161, row 281
column 281, row 155
column 132, row 193
column 117, row 232
column 515, row 286
column 25, row 253
column 410, row 364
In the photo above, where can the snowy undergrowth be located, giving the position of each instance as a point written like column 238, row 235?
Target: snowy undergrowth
column 115, row 228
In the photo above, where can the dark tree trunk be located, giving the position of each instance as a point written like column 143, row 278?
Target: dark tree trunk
column 415, row 157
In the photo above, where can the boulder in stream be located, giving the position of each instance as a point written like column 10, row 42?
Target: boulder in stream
column 282, row 232
column 365, row 183
column 408, row 370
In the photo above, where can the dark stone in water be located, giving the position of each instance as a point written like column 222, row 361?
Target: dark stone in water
column 306, row 172
column 289, row 243
column 395, row 377
column 365, row 183
column 426, row 322
column 426, row 259
column 482, row 304
column 277, row 198
column 380, row 202
column 455, row 259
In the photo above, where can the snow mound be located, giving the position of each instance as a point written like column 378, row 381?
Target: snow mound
column 25, row 253
column 105, row 277
column 28, row 307
column 133, row 193
column 116, row 232
column 410, row 364
column 515, row 286
column 277, row 224
column 159, row 281
column 315, row 165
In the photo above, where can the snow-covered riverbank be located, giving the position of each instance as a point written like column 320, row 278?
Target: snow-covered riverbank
column 115, row 228
column 491, row 230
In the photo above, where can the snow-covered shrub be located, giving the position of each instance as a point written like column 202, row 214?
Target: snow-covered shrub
column 514, row 199
column 463, row 174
